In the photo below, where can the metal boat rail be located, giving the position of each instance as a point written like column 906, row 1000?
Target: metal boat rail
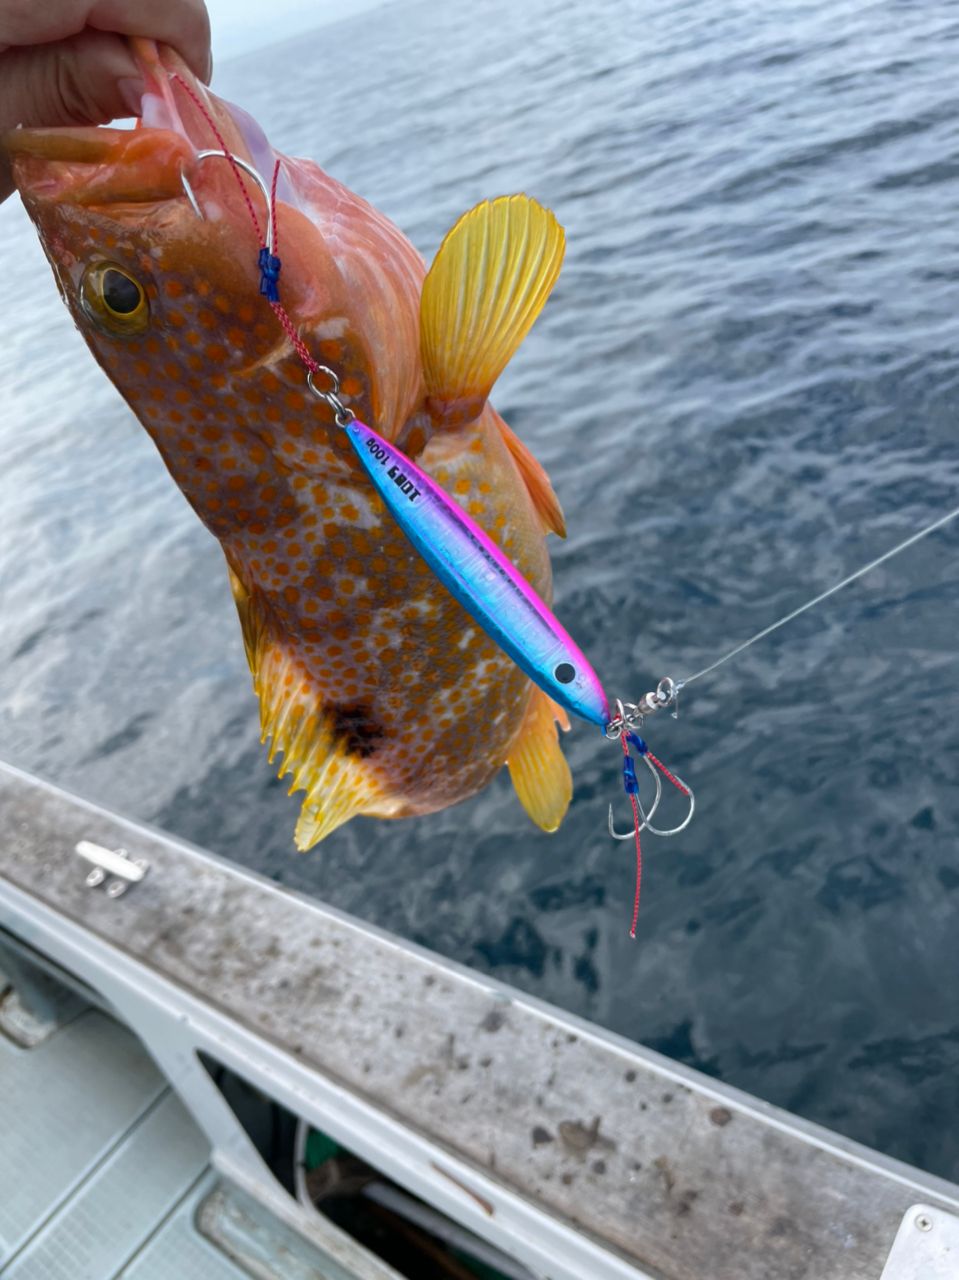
column 572, row 1150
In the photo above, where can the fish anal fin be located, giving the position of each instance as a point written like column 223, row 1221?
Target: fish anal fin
column 488, row 283
column 324, row 748
column 537, row 765
column 536, row 480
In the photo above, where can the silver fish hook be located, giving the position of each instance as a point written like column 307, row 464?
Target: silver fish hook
column 647, row 823
column 673, row 831
column 250, row 172
column 629, row 835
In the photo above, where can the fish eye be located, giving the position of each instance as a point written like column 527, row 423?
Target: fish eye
column 565, row 673
column 121, row 293
column 114, row 299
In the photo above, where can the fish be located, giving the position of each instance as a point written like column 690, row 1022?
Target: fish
column 379, row 692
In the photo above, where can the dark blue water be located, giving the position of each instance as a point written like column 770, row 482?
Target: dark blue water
column 744, row 387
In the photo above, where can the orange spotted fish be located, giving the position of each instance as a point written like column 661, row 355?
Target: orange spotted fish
column 383, row 696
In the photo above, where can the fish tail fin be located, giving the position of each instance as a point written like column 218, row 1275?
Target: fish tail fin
column 315, row 742
column 488, row 283
column 537, row 765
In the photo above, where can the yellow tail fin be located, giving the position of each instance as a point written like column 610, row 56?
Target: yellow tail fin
column 315, row 749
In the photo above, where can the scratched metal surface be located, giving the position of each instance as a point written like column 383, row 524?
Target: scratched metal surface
column 685, row 1176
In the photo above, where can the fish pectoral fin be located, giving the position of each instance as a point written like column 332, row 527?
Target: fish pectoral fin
column 488, row 283
column 536, row 480
column 537, row 765
column 323, row 747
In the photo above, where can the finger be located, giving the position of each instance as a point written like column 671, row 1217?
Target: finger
column 184, row 24
column 88, row 79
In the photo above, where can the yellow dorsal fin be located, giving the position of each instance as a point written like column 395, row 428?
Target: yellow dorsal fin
column 536, row 480
column 313, row 743
column 488, row 283
column 537, row 765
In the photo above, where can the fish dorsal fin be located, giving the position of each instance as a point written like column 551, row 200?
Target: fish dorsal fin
column 537, row 765
column 488, row 283
column 315, row 753
column 536, row 480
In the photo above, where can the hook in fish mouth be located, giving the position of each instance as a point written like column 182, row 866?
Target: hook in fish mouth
column 249, row 170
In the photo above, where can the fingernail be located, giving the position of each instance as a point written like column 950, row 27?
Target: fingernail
column 131, row 90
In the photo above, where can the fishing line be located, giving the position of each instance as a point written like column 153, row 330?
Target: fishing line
column 824, row 595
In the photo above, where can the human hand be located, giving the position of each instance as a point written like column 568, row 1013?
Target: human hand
column 65, row 62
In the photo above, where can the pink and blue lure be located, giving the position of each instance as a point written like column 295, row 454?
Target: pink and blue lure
column 474, row 570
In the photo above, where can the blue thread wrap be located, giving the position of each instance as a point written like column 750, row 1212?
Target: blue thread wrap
column 269, row 274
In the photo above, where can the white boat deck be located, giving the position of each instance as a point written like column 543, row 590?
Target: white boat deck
column 103, row 1174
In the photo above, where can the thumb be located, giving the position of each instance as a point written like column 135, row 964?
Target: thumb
column 90, row 78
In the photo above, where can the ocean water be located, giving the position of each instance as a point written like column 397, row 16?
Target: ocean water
column 744, row 387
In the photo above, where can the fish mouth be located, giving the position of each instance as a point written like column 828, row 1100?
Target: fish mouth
column 96, row 165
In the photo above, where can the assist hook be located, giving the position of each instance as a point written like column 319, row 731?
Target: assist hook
column 628, row 717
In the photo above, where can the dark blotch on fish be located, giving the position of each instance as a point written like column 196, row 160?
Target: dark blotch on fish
column 357, row 728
